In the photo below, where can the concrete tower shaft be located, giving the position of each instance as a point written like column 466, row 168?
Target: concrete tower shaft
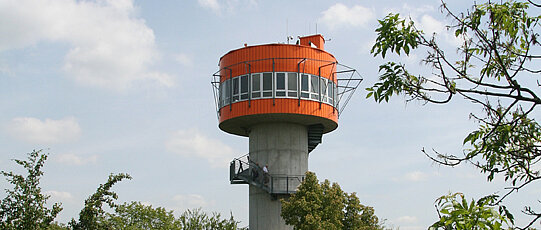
column 283, row 148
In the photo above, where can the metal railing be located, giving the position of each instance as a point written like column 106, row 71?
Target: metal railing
column 244, row 171
column 347, row 78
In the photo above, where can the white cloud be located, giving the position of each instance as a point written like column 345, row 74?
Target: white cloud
column 190, row 143
column 407, row 219
column 210, row 4
column 189, row 201
column 59, row 196
column 72, row 159
column 184, row 59
column 229, row 6
column 109, row 46
column 340, row 15
column 33, row 130
column 414, row 10
column 430, row 25
column 415, row 176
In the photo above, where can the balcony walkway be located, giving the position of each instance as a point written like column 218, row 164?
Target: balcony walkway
column 244, row 171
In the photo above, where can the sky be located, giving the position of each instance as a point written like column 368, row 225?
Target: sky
column 123, row 86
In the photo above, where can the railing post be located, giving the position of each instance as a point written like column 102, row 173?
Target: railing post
column 272, row 184
column 231, row 171
column 231, row 83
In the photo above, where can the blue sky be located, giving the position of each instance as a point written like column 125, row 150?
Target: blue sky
column 113, row 86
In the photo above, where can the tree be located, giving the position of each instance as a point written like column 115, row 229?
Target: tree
column 199, row 220
column 326, row 206
column 92, row 216
column 24, row 207
column 496, row 68
column 137, row 216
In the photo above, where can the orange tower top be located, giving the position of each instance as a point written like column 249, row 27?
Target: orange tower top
column 314, row 40
column 277, row 83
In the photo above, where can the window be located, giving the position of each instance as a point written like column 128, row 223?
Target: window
column 221, row 95
column 235, row 89
column 304, row 86
column 256, row 85
column 330, row 92
column 267, row 84
column 244, row 87
column 335, row 90
column 280, row 84
column 286, row 84
column 323, row 84
column 228, row 91
column 292, row 81
column 314, row 86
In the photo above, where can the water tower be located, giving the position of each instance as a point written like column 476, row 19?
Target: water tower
column 283, row 97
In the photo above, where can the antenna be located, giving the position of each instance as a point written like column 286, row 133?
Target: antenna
column 287, row 30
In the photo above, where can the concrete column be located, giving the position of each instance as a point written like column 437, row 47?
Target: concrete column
column 284, row 148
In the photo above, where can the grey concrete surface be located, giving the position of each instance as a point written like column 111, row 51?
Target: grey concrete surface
column 284, row 148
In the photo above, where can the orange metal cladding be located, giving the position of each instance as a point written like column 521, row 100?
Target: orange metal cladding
column 286, row 58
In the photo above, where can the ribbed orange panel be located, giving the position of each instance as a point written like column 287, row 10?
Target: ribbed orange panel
column 282, row 105
column 256, row 59
column 317, row 40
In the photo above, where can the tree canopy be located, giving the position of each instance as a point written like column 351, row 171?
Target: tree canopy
column 495, row 67
column 24, row 207
column 324, row 206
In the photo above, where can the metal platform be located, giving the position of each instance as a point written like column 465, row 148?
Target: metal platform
column 244, row 171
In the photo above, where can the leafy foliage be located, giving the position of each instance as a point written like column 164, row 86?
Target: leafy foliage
column 92, row 216
column 461, row 215
column 495, row 67
column 135, row 215
column 326, row 206
column 24, row 207
column 198, row 220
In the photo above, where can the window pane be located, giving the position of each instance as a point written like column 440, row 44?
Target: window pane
column 255, row 82
column 305, row 95
column 235, row 85
column 292, row 94
column 267, row 94
column 280, row 93
column 329, row 88
column 292, row 81
column 267, row 81
column 256, row 95
column 280, row 81
column 335, row 90
column 227, row 90
column 323, row 86
column 222, row 93
column 315, row 84
column 244, row 84
column 304, row 83
column 244, row 96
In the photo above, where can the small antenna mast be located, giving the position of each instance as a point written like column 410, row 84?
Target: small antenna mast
column 287, row 30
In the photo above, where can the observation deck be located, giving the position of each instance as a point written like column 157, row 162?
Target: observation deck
column 300, row 84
